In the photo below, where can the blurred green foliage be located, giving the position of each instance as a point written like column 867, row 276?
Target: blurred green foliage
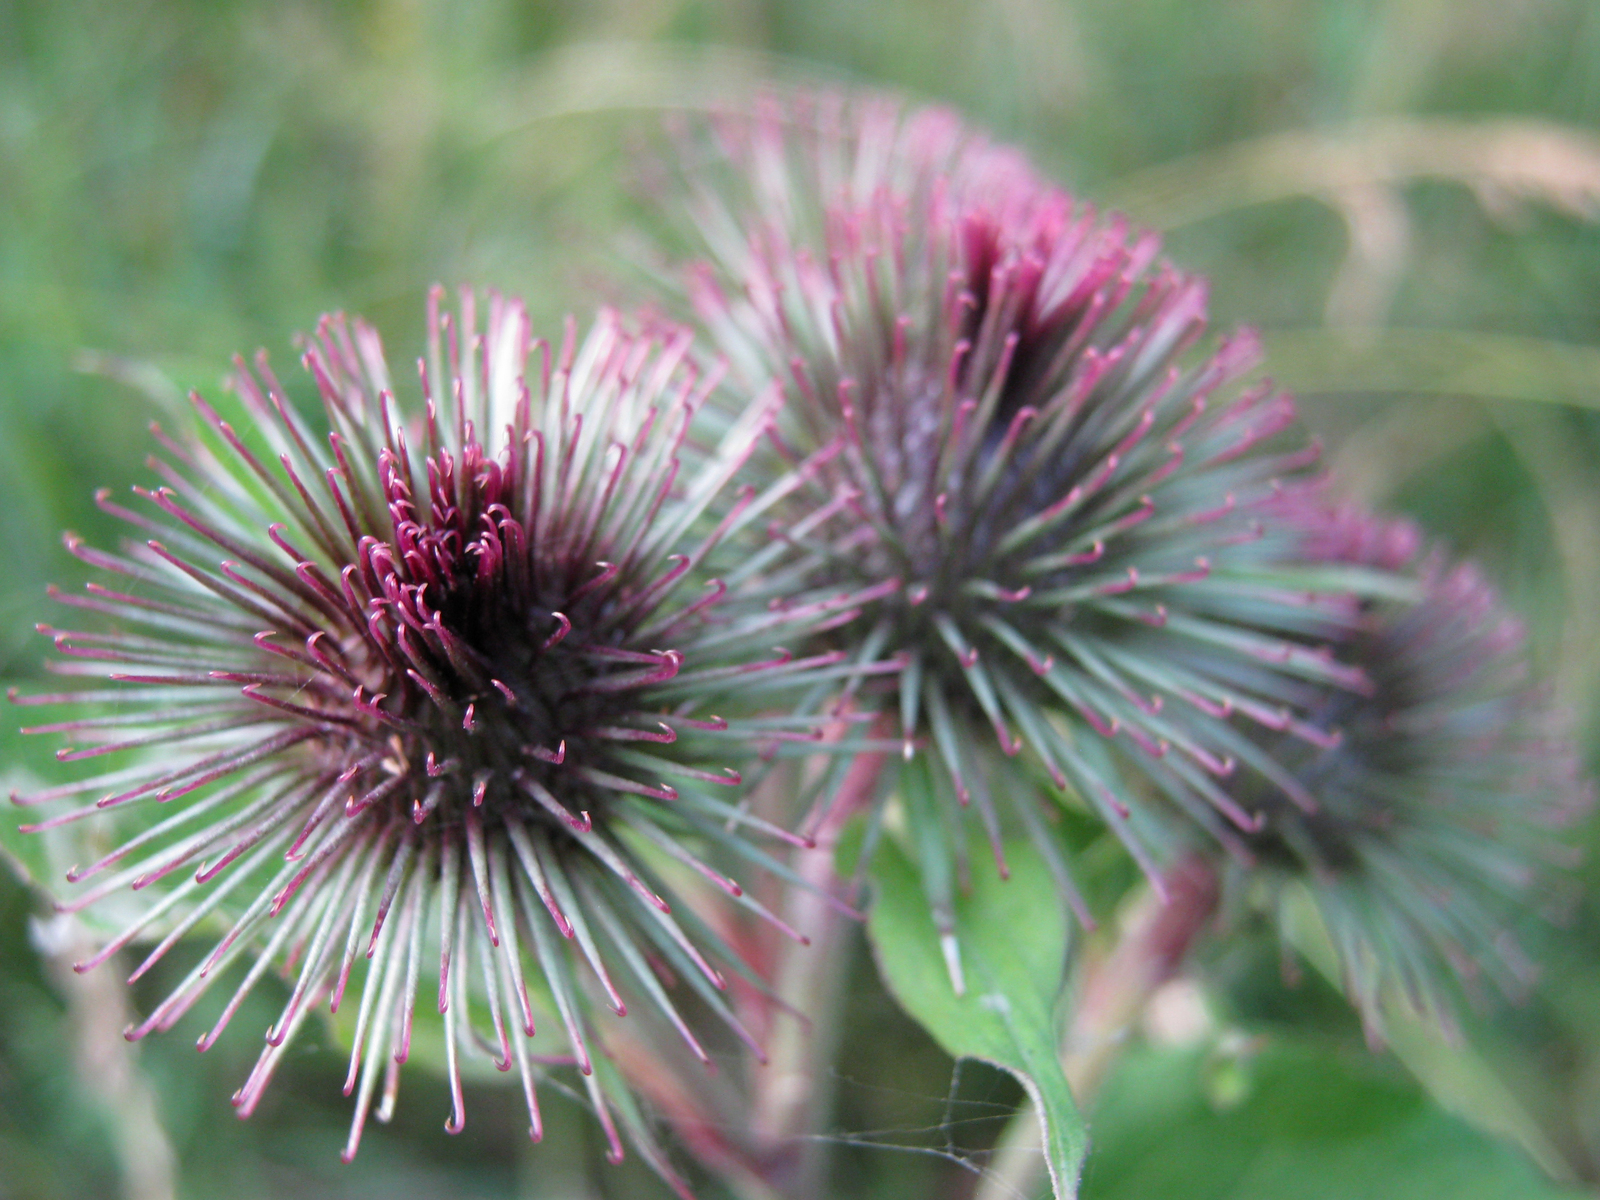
column 183, row 181
column 1290, row 1121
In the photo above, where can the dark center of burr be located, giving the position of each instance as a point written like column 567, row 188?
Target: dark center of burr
column 497, row 699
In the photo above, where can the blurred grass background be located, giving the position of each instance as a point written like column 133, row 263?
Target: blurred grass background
column 1403, row 194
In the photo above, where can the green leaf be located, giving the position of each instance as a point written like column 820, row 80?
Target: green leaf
column 1454, row 1074
column 1013, row 950
column 38, row 860
column 1292, row 1120
column 27, row 856
column 1436, row 362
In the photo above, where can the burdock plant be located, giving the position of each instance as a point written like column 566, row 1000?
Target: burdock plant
column 1425, row 831
column 443, row 687
column 477, row 678
column 1000, row 436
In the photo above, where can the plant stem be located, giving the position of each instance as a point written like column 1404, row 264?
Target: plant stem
column 763, row 1141
column 793, row 1092
column 1150, row 950
column 108, row 1068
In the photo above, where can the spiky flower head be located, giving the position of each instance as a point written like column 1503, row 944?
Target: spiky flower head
column 440, row 688
column 1001, row 440
column 1424, row 825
